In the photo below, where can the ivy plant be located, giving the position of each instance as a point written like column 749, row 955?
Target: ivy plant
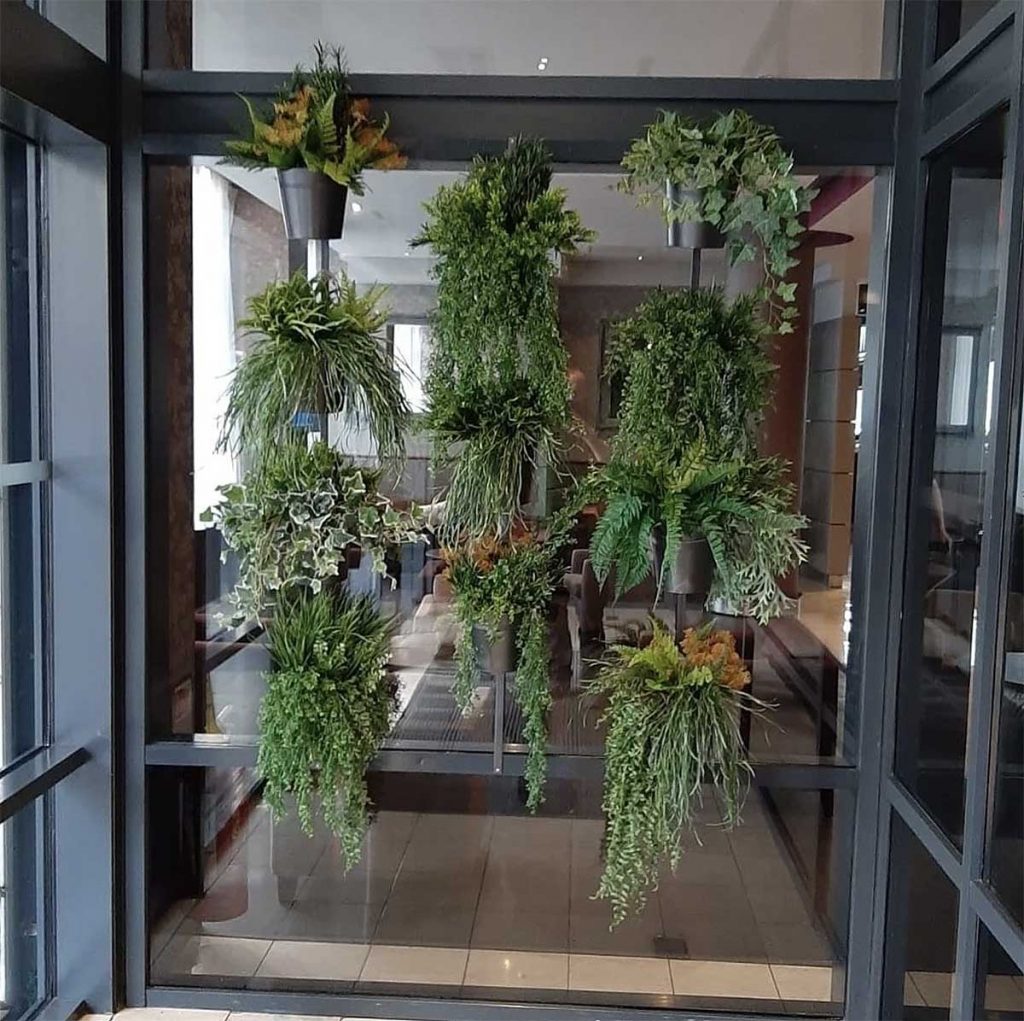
column 330, row 703
column 672, row 717
column 746, row 185
column 316, row 123
column 497, row 386
column 293, row 517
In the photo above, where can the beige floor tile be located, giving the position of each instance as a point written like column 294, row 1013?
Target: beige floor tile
column 802, row 982
column 212, row 955
column 911, row 996
column 95, row 1017
column 300, row 959
column 607, row 974
column 241, row 1016
column 1003, row 993
column 517, row 969
column 168, row 1014
column 935, row 987
column 723, row 978
column 426, row 965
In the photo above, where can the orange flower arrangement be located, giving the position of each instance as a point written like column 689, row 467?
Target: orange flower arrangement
column 716, row 648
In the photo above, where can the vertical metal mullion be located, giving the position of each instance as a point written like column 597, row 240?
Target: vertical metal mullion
column 133, row 497
column 992, row 596
column 881, row 489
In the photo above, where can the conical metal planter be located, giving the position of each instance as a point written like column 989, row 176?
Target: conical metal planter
column 312, row 204
column 496, row 655
column 692, row 570
column 690, row 233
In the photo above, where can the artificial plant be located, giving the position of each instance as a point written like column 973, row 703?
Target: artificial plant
column 497, row 387
column 316, row 123
column 293, row 517
column 746, row 187
column 329, row 704
column 672, row 716
column 316, row 346
column 509, row 582
column 693, row 370
column 740, row 506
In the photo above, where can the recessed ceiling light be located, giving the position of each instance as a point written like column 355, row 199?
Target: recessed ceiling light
column 407, row 252
column 639, row 258
column 356, row 207
column 542, row 66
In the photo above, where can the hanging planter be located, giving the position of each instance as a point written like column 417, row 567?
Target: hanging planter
column 495, row 650
column 320, row 140
column 312, row 204
column 691, row 570
column 695, row 233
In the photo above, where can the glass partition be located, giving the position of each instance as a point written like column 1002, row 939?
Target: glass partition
column 645, row 38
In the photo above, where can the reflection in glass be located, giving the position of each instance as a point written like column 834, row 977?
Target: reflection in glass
column 920, row 932
column 23, row 882
column 458, row 892
column 1006, row 845
column 949, row 473
column 1000, row 988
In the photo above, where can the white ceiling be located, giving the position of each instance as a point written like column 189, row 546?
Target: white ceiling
column 629, row 249
column 692, row 38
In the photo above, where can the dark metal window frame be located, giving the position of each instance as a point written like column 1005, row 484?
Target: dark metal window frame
column 588, row 121
column 58, row 95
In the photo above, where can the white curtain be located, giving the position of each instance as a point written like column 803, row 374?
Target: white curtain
column 213, row 333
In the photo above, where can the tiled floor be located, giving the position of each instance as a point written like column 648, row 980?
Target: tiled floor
column 500, row 902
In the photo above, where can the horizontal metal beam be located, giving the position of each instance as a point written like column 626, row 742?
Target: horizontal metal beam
column 50, row 71
column 224, row 754
column 37, row 774
column 989, row 25
column 260, row 996
column 23, row 472
column 586, row 120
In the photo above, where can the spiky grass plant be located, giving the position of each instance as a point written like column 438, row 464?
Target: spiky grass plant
column 316, row 346
column 672, row 715
column 330, row 703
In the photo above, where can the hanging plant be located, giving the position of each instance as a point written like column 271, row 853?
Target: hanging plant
column 740, row 507
column 293, row 518
column 693, row 369
column 500, row 584
column 329, row 705
column 315, row 346
column 497, row 387
column 743, row 184
column 672, row 719
column 315, row 123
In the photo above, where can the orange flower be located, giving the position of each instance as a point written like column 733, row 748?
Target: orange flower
column 716, row 649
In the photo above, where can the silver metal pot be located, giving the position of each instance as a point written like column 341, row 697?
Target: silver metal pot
column 498, row 655
column 313, row 205
column 691, row 571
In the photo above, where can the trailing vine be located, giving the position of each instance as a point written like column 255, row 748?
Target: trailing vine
column 747, row 189
column 329, row 704
column 509, row 583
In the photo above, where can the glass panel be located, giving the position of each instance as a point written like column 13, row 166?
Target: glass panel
column 1000, row 990
column 19, row 369
column 694, row 38
column 1007, row 824
column 459, row 893
column 84, row 20
column 216, row 239
column 956, row 18
column 23, row 882
column 920, row 930
column 21, row 666
column 954, row 394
